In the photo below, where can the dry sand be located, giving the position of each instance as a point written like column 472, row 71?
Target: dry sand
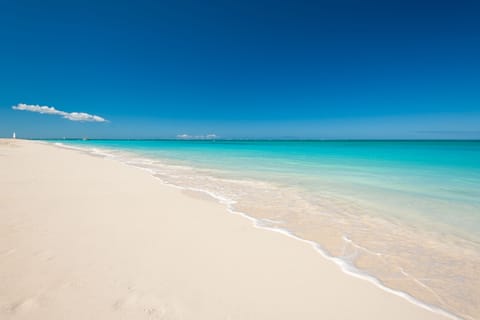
column 83, row 237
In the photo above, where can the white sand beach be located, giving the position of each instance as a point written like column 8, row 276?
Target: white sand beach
column 84, row 237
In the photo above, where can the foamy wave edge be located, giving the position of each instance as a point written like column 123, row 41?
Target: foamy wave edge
column 344, row 266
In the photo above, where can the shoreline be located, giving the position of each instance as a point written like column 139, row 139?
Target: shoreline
column 344, row 273
column 348, row 269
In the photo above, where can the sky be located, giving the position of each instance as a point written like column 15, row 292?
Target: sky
column 339, row 69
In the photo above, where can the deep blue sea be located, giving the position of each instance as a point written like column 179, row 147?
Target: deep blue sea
column 404, row 212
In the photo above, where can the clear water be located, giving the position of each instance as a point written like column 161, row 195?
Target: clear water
column 406, row 212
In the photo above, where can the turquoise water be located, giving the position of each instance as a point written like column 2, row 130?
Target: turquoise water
column 433, row 170
column 406, row 212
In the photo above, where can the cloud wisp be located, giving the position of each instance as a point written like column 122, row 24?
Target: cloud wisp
column 210, row 136
column 73, row 116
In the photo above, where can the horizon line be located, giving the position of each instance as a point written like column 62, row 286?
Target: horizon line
column 249, row 139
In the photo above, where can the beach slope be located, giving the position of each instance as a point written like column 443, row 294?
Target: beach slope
column 85, row 237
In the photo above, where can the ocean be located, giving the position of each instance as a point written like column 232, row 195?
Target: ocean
column 403, row 213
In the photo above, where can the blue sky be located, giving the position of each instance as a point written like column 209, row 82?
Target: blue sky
column 241, row 69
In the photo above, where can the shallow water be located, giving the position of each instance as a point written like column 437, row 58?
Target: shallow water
column 405, row 212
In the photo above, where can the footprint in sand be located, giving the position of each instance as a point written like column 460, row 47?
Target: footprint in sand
column 148, row 305
column 45, row 255
column 22, row 306
column 7, row 252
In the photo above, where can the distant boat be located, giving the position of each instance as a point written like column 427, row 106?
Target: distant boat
column 84, row 139
column 14, row 136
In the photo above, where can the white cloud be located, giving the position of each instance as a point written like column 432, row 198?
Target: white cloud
column 74, row 116
column 210, row 136
column 81, row 116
